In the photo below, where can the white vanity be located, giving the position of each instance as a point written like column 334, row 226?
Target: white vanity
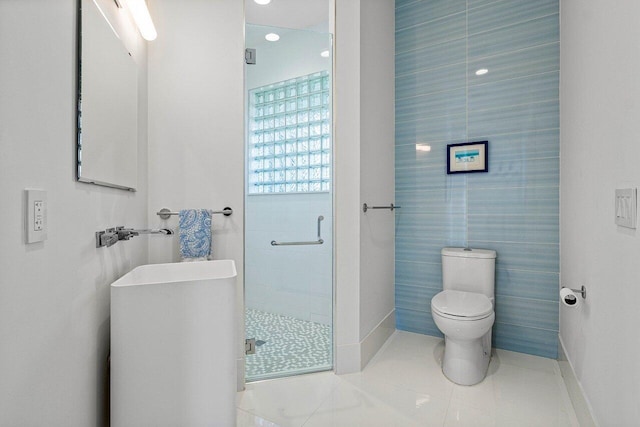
column 173, row 345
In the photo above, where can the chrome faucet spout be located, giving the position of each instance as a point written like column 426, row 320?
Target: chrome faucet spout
column 164, row 231
column 128, row 233
column 111, row 236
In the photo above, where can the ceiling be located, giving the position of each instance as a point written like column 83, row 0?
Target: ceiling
column 297, row 14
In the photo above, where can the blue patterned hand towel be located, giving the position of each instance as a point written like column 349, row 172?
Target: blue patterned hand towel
column 195, row 234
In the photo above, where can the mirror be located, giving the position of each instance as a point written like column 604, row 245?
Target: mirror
column 107, row 132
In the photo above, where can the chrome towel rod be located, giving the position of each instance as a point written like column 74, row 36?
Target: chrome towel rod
column 165, row 213
column 391, row 207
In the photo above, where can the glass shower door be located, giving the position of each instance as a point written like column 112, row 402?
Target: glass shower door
column 288, row 203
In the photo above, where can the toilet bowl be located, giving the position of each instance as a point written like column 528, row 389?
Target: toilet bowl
column 464, row 312
column 465, row 319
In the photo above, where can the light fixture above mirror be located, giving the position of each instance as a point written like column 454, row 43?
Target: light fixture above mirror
column 141, row 16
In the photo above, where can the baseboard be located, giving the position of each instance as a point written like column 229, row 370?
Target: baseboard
column 372, row 343
column 347, row 359
column 351, row 358
column 579, row 399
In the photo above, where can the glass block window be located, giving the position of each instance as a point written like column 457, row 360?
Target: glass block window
column 290, row 136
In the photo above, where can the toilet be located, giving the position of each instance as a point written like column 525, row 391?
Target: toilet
column 464, row 312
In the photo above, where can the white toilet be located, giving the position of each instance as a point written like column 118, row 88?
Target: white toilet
column 464, row 313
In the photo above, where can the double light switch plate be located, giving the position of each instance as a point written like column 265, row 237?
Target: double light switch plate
column 626, row 207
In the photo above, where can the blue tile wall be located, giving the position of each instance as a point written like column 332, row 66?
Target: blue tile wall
column 514, row 208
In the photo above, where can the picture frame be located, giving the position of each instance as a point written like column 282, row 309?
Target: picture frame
column 468, row 157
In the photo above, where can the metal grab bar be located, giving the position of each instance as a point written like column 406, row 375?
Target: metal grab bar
column 391, row 207
column 165, row 213
column 313, row 242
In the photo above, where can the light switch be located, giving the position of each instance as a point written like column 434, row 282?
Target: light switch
column 36, row 215
column 626, row 207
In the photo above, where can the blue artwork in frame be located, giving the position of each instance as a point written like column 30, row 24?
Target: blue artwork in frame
column 468, row 157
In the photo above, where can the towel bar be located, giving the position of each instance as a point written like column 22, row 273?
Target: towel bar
column 165, row 213
column 391, row 207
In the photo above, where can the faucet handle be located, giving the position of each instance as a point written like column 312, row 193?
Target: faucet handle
column 125, row 233
column 106, row 238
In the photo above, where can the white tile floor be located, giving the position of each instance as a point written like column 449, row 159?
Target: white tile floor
column 404, row 386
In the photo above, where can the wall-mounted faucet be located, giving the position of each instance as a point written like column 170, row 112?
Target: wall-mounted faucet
column 111, row 236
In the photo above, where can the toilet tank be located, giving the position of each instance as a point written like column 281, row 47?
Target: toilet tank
column 469, row 270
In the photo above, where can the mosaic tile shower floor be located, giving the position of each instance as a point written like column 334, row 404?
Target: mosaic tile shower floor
column 291, row 345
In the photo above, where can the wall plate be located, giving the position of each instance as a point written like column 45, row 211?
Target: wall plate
column 626, row 207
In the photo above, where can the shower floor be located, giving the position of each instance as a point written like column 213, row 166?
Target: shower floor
column 287, row 345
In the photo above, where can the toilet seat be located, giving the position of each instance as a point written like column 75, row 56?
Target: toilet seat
column 460, row 305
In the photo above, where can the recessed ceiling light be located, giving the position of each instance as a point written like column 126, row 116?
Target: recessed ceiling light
column 262, row 2
column 272, row 37
column 324, row 53
column 481, row 72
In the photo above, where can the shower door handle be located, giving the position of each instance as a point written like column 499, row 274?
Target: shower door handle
column 313, row 242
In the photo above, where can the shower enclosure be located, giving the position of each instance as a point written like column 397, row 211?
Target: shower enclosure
column 288, row 202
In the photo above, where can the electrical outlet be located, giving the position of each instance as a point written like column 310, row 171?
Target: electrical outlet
column 626, row 207
column 36, row 215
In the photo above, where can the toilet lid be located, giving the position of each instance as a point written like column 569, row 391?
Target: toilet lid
column 462, row 304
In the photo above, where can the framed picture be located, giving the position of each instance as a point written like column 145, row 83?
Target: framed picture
column 468, row 157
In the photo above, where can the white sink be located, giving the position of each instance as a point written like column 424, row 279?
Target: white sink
column 173, row 345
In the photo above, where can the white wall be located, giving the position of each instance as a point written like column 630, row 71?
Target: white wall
column 54, row 295
column 377, row 167
column 600, row 113
column 196, row 138
column 347, row 185
column 196, row 152
column 364, row 164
